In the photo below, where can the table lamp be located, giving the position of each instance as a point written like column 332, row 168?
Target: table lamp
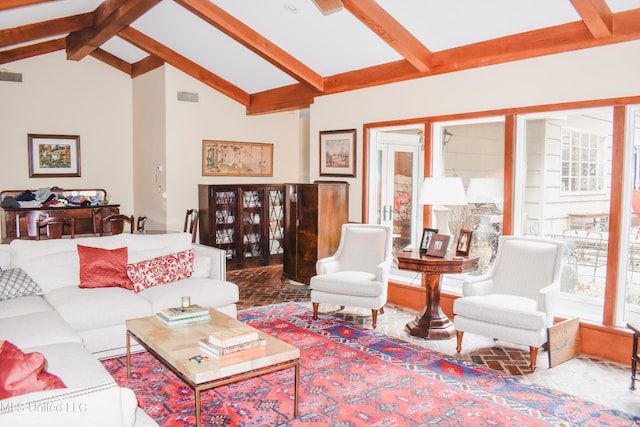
column 485, row 190
column 441, row 191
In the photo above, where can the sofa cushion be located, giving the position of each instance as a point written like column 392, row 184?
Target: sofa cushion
column 22, row 373
column 52, row 271
column 5, row 256
column 102, row 405
column 24, row 305
column 175, row 242
column 204, row 292
column 65, row 360
column 45, row 327
column 95, row 308
column 103, row 268
column 15, row 283
column 160, row 270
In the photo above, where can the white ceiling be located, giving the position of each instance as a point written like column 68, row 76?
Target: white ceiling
column 328, row 45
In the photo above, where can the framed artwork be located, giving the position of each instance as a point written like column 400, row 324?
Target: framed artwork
column 426, row 238
column 53, row 155
column 438, row 245
column 464, row 242
column 338, row 153
column 228, row 158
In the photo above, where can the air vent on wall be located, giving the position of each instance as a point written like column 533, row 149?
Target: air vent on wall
column 187, row 96
column 8, row 76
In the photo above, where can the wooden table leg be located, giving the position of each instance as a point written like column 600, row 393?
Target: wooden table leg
column 431, row 323
column 128, row 355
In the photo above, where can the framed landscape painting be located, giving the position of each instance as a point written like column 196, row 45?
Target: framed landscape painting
column 228, row 158
column 338, row 153
column 54, row 155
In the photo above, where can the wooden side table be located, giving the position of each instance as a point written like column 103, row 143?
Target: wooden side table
column 432, row 323
column 634, row 355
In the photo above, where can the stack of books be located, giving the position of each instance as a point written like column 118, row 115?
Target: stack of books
column 179, row 316
column 223, row 342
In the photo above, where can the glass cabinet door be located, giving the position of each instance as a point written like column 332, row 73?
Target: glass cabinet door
column 251, row 223
column 276, row 221
column 226, row 208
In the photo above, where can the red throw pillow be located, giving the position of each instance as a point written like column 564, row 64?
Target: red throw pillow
column 163, row 269
column 103, row 268
column 22, row 373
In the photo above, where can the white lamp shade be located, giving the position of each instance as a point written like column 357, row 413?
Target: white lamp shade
column 485, row 190
column 443, row 191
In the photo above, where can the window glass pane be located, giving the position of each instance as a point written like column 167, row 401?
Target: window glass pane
column 632, row 288
column 566, row 193
column 475, row 153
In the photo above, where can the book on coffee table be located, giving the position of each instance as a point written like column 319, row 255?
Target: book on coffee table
column 216, row 351
column 182, row 321
column 227, row 337
column 176, row 313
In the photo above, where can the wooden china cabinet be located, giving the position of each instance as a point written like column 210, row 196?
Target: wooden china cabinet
column 247, row 221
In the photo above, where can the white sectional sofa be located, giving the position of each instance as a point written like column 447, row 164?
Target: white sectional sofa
column 74, row 327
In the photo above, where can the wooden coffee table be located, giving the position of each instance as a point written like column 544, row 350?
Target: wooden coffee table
column 175, row 346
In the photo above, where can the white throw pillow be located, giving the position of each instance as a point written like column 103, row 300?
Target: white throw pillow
column 53, row 271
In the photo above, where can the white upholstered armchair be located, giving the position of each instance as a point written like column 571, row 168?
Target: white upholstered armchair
column 516, row 300
column 357, row 274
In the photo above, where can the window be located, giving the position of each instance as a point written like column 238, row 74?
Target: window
column 582, row 161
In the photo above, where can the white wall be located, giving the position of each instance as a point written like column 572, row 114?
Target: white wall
column 84, row 98
column 597, row 73
column 217, row 117
column 149, row 148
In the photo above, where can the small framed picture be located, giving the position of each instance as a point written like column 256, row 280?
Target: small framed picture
column 438, row 245
column 426, row 238
column 464, row 242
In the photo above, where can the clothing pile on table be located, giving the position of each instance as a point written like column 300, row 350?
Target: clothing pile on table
column 48, row 198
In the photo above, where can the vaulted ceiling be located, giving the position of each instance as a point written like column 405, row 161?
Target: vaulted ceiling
column 275, row 55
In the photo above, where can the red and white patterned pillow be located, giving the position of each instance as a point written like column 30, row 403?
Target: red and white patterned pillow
column 162, row 269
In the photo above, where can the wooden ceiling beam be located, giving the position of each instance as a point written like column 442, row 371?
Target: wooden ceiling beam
column 185, row 65
column 10, row 4
column 388, row 29
column 112, row 60
column 562, row 38
column 253, row 41
column 109, row 18
column 145, row 65
column 41, row 30
column 327, row 7
column 596, row 15
column 31, row 50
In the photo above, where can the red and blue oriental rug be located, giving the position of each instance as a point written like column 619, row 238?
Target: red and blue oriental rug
column 356, row 377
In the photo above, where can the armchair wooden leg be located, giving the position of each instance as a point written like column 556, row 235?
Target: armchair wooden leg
column 315, row 310
column 381, row 310
column 533, row 355
column 374, row 315
column 459, row 335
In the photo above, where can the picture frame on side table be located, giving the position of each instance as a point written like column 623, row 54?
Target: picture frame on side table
column 427, row 233
column 338, row 153
column 438, row 245
column 464, row 242
column 229, row 158
column 53, row 155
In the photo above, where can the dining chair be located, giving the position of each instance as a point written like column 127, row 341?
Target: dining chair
column 54, row 227
column 141, row 224
column 191, row 223
column 114, row 224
